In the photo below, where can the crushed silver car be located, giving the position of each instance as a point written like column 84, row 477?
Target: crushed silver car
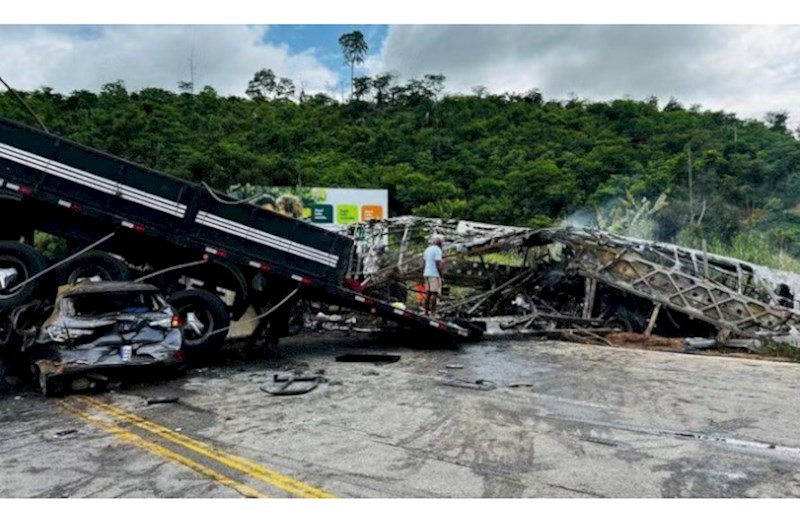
column 98, row 328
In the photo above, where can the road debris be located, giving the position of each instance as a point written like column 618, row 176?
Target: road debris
column 582, row 285
column 65, row 432
column 162, row 400
column 478, row 385
column 601, row 441
column 291, row 385
column 368, row 358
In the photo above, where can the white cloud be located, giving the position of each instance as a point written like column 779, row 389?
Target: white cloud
column 748, row 70
column 225, row 57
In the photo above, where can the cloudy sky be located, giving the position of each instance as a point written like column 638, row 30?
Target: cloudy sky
column 748, row 70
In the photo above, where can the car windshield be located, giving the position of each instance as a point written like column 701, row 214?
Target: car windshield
column 92, row 305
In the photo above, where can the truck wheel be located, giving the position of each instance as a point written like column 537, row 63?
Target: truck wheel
column 203, row 313
column 94, row 265
column 18, row 262
column 213, row 274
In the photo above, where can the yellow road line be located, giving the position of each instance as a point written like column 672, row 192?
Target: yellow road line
column 158, row 450
column 244, row 465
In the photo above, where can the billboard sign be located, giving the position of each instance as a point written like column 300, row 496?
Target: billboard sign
column 326, row 207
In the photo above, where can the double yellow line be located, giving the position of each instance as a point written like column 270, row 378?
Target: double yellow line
column 235, row 462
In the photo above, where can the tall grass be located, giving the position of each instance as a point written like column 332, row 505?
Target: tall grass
column 750, row 246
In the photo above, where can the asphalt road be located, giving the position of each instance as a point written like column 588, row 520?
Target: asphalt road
column 563, row 420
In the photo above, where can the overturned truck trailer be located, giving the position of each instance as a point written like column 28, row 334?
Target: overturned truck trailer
column 570, row 279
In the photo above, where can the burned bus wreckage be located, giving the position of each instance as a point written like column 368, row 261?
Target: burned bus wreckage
column 582, row 284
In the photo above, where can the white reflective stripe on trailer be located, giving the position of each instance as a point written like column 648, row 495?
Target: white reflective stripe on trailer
column 93, row 181
column 264, row 238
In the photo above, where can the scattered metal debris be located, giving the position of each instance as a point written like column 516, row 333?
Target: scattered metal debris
column 162, row 400
column 600, row 441
column 65, row 432
column 478, row 385
column 306, row 384
column 581, row 285
column 368, row 358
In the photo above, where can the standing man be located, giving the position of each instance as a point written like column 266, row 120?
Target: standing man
column 433, row 275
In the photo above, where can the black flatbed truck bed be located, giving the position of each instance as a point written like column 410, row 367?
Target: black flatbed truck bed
column 61, row 187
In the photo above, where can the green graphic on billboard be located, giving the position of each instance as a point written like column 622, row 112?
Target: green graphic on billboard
column 346, row 214
column 321, row 213
column 326, row 207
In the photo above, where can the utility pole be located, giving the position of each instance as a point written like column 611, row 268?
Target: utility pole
column 191, row 67
column 691, row 193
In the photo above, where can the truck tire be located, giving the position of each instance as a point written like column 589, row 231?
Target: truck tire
column 202, row 313
column 18, row 262
column 93, row 265
column 213, row 274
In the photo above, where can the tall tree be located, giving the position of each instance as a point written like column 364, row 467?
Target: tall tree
column 285, row 88
column 777, row 120
column 435, row 83
column 361, row 86
column 381, row 85
column 263, row 85
column 354, row 49
column 185, row 86
column 480, row 91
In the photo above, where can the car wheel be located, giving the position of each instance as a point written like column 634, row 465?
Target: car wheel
column 205, row 320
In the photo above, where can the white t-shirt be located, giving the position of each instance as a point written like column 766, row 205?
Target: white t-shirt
column 432, row 254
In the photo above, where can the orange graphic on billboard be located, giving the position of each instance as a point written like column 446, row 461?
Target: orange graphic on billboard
column 371, row 212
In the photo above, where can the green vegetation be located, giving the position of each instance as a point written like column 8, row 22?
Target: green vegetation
column 53, row 248
column 513, row 158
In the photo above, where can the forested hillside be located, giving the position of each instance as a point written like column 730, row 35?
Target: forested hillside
column 517, row 159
